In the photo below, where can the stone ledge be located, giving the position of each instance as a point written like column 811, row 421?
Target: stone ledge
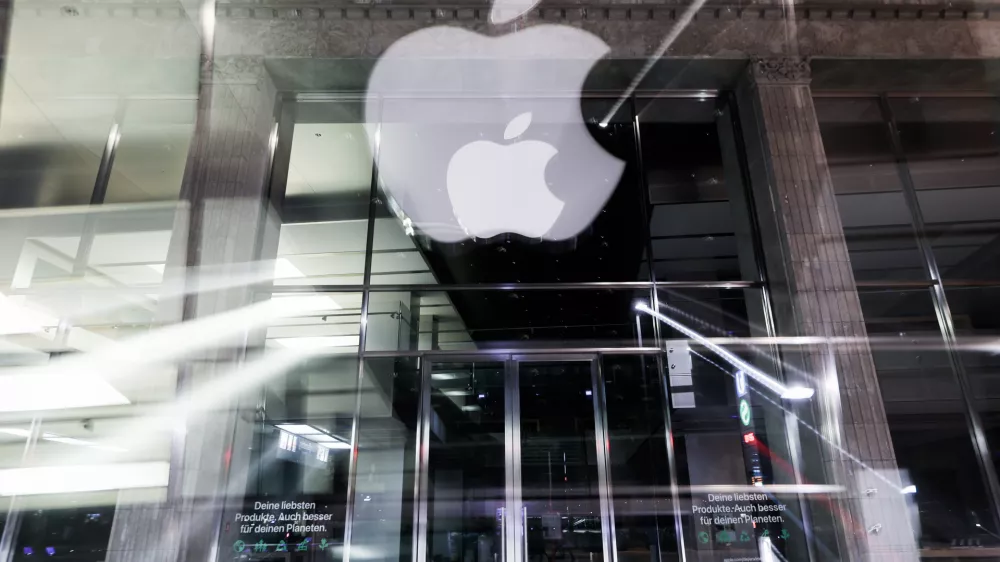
column 603, row 11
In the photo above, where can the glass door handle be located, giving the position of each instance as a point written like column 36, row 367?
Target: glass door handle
column 524, row 532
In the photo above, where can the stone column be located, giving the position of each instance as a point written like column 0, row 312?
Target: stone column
column 814, row 294
column 225, row 186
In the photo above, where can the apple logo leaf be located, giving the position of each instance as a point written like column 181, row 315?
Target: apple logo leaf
column 504, row 11
column 517, row 126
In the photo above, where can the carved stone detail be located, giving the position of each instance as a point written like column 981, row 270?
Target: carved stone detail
column 781, row 70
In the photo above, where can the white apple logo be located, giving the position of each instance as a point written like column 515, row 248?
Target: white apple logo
column 496, row 188
column 442, row 93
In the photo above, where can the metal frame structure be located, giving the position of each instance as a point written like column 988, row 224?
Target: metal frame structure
column 934, row 281
column 514, row 543
column 942, row 311
column 512, row 357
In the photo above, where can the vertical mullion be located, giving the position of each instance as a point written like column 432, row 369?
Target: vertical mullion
column 609, row 539
column 512, row 434
column 943, row 311
column 668, row 430
column 421, row 464
column 362, row 335
column 647, row 214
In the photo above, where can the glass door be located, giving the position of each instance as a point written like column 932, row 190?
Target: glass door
column 561, row 460
column 512, row 461
column 463, row 471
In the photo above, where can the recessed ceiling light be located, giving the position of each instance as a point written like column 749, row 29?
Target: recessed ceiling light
column 68, row 441
column 318, row 342
column 299, row 429
column 15, row 431
column 306, row 303
column 15, row 318
column 283, row 269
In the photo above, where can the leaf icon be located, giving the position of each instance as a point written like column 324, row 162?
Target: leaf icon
column 505, row 10
column 517, row 126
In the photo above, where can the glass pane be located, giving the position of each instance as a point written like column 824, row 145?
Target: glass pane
column 327, row 184
column 587, row 223
column 975, row 312
column 640, row 475
column 559, row 486
column 98, row 273
column 713, row 312
column 877, row 223
column 926, row 417
column 468, row 320
column 330, row 322
column 301, row 452
column 52, row 143
column 954, row 157
column 466, row 470
column 696, row 204
column 152, row 151
column 387, row 433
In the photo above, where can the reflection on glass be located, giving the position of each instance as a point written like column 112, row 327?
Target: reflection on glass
column 326, row 322
column 301, row 448
column 325, row 171
column 876, row 220
column 930, row 438
column 953, row 155
column 975, row 313
column 466, row 462
column 607, row 244
column 640, row 477
column 152, row 151
column 467, row 320
column 693, row 222
column 559, row 473
column 387, row 442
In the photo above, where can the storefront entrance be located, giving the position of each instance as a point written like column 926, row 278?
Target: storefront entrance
column 512, row 461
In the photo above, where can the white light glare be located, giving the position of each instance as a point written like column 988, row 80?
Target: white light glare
column 911, row 489
column 16, row 431
column 317, row 342
column 283, row 269
column 316, row 435
column 798, row 393
column 299, row 429
column 305, row 303
column 28, row 391
column 82, row 478
column 15, row 318
column 336, row 445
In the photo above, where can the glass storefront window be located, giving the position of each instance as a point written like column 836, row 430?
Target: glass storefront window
column 951, row 151
column 873, row 210
column 698, row 225
column 601, row 240
column 930, row 437
column 467, row 320
column 322, row 177
column 974, row 313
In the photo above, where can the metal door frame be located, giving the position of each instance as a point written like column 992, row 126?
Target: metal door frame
column 513, row 517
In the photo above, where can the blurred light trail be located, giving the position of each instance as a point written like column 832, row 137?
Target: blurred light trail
column 815, row 431
column 220, row 391
column 51, row 386
column 675, row 32
column 69, row 479
column 772, row 384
